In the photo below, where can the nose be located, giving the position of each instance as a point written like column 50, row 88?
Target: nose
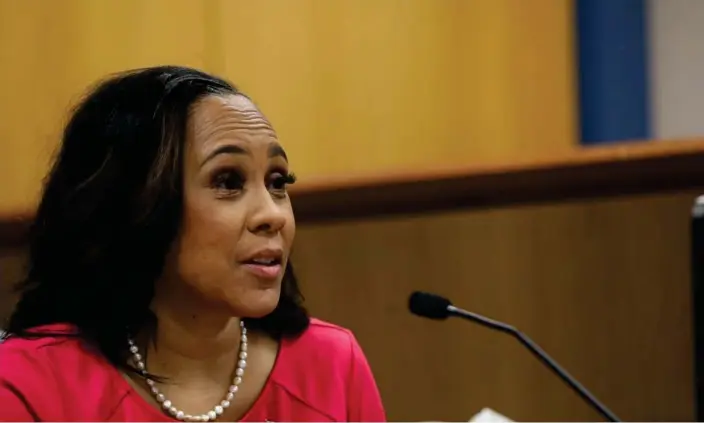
column 267, row 216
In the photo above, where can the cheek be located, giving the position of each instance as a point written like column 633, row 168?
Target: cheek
column 289, row 230
column 207, row 244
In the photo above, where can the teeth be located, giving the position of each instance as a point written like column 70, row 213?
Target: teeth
column 264, row 260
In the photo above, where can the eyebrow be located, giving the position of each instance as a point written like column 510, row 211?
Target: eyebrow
column 275, row 150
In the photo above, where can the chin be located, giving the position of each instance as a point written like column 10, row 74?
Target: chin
column 257, row 304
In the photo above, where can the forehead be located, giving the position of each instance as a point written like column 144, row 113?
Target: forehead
column 215, row 120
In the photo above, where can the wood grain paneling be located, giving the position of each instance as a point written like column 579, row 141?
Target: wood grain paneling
column 11, row 269
column 393, row 84
column 357, row 86
column 619, row 169
column 52, row 51
column 603, row 286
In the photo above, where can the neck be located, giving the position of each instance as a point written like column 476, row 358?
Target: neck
column 191, row 340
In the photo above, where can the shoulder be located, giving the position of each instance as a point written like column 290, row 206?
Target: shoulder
column 55, row 362
column 325, row 369
column 326, row 344
column 326, row 337
column 323, row 355
column 26, row 356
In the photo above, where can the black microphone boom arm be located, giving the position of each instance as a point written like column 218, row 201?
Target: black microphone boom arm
column 541, row 355
column 436, row 307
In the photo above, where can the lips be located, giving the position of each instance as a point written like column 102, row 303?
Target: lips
column 265, row 264
column 265, row 257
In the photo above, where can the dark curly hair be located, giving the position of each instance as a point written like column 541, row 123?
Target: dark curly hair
column 110, row 210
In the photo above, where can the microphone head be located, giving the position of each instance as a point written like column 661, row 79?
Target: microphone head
column 429, row 305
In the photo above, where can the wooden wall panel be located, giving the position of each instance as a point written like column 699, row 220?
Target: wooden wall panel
column 51, row 51
column 603, row 286
column 359, row 86
column 395, row 84
column 11, row 269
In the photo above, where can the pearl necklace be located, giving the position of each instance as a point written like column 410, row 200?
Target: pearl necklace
column 218, row 409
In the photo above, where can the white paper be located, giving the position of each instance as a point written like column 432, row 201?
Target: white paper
column 489, row 415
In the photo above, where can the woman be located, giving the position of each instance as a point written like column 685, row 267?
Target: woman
column 159, row 285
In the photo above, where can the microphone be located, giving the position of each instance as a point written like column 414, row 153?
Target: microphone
column 436, row 307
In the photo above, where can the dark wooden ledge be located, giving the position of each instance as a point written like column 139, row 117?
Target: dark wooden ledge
column 590, row 172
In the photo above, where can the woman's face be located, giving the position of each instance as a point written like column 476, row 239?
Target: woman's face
column 238, row 225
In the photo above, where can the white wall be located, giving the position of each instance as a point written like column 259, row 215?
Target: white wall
column 676, row 31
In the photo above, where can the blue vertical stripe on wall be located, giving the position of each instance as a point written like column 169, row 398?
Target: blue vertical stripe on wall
column 613, row 70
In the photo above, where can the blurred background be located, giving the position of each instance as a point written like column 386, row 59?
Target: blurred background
column 535, row 160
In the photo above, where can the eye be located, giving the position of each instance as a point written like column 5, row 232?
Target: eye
column 228, row 180
column 279, row 180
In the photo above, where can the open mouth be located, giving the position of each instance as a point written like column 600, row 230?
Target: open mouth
column 271, row 261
